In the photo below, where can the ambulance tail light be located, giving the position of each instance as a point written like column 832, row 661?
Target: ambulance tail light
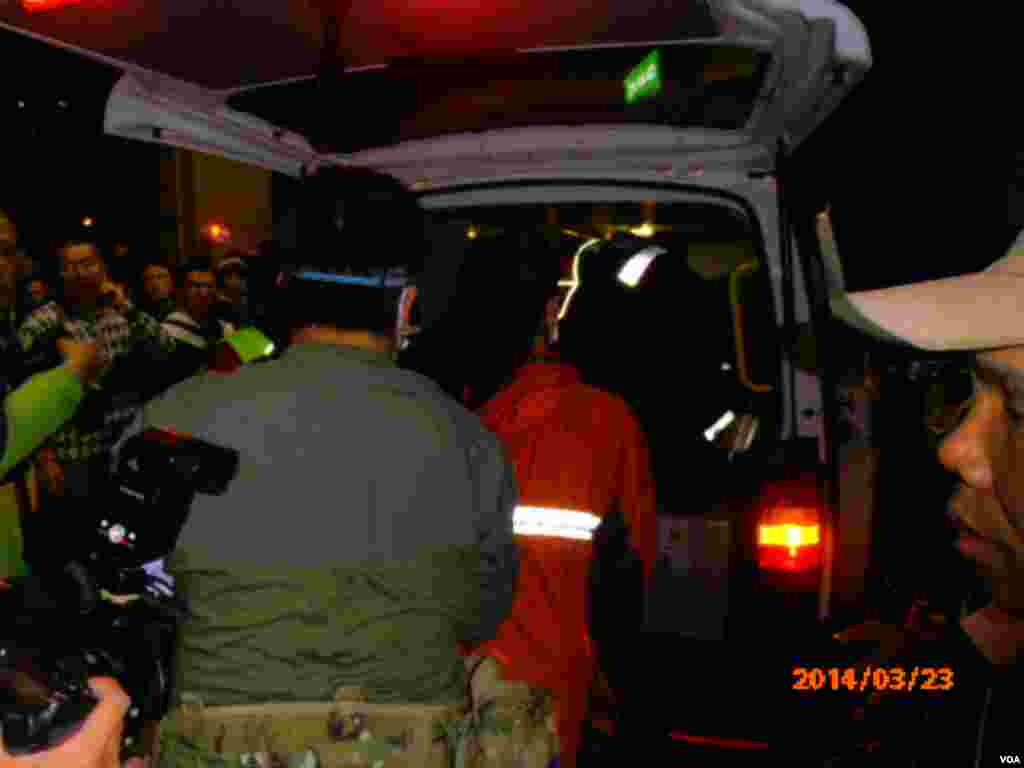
column 790, row 528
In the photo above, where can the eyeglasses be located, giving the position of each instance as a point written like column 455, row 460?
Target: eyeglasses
column 85, row 267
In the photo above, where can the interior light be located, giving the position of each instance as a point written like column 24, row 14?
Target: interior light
column 633, row 270
column 21, row 105
column 472, row 233
column 644, row 230
column 573, row 284
column 713, row 431
column 87, row 221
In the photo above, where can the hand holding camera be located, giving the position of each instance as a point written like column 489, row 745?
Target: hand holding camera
column 96, row 742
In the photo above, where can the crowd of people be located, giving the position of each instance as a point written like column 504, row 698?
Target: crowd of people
column 149, row 336
column 402, row 530
column 435, row 603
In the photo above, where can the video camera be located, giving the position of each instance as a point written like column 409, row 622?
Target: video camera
column 105, row 608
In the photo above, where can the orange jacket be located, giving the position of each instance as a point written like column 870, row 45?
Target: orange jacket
column 574, row 448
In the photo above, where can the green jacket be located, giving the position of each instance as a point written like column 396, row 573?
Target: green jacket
column 31, row 413
column 368, row 532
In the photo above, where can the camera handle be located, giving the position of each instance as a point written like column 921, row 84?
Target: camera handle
column 88, row 595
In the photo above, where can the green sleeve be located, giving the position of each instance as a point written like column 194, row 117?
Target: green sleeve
column 36, row 410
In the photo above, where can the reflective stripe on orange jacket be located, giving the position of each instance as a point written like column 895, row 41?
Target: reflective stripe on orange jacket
column 578, row 453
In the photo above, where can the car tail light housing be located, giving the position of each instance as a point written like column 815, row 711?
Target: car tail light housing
column 35, row 6
column 790, row 526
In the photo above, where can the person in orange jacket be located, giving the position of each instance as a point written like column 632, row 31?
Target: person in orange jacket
column 579, row 454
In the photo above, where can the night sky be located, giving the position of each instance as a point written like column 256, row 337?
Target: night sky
column 915, row 162
column 918, row 184
column 58, row 167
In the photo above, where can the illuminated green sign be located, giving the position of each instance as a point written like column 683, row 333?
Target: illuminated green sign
column 644, row 80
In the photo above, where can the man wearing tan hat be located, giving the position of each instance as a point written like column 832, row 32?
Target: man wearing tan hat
column 983, row 441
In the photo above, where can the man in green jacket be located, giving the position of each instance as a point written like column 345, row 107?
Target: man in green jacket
column 369, row 529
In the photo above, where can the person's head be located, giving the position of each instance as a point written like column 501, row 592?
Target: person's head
column 8, row 259
column 497, row 312
column 157, row 282
column 8, row 276
column 231, row 272
column 507, row 283
column 981, row 314
column 84, row 271
column 198, row 290
column 38, row 291
column 604, row 313
column 361, row 241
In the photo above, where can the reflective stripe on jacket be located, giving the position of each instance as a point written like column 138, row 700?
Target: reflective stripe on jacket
column 578, row 453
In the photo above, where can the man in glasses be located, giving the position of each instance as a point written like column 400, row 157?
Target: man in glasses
column 157, row 290
column 978, row 414
column 95, row 309
column 194, row 325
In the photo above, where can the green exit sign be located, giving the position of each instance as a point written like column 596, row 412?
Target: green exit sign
column 644, row 80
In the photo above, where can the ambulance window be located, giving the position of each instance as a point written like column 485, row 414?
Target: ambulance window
column 678, row 307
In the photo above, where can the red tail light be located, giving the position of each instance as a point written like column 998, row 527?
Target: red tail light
column 789, row 547
column 789, row 528
column 46, row 5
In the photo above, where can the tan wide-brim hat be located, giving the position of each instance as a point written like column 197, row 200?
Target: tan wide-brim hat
column 974, row 312
column 978, row 311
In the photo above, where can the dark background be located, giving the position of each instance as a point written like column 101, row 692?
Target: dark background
column 915, row 163
column 57, row 166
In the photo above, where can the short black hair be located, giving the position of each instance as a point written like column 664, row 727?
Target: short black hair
column 64, row 245
column 501, row 291
column 359, row 220
column 359, row 223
